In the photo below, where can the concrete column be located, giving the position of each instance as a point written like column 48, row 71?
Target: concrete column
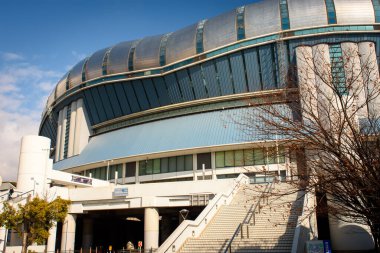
column 370, row 68
column 326, row 104
column 52, row 238
column 195, row 178
column 59, row 136
column 72, row 130
column 68, row 233
column 123, row 173
column 62, row 143
column 3, row 238
column 82, row 129
column 213, row 166
column 137, row 180
column 87, row 233
column 306, row 80
column 34, row 158
column 151, row 228
column 354, row 78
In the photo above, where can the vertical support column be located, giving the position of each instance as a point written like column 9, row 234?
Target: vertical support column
column 72, row 136
column 68, row 233
column 3, row 238
column 322, row 63
column 354, row 77
column 82, row 130
column 63, row 131
column 137, row 180
column 123, row 173
column 59, row 135
column 195, row 178
column 213, row 167
column 87, row 233
column 52, row 238
column 306, row 80
column 370, row 73
column 151, row 228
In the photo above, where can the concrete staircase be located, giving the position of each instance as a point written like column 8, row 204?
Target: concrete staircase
column 273, row 230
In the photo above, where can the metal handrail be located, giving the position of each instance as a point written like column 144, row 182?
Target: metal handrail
column 236, row 186
column 250, row 214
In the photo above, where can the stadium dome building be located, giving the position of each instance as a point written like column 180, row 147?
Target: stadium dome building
column 145, row 130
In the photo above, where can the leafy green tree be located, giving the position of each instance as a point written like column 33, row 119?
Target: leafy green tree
column 33, row 220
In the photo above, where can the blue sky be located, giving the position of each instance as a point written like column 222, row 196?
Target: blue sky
column 42, row 39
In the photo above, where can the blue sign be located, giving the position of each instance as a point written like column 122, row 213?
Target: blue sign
column 120, row 192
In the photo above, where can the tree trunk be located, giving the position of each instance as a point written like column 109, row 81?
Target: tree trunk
column 24, row 243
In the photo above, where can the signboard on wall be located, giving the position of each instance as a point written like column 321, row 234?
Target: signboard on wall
column 120, row 192
column 318, row 246
column 82, row 180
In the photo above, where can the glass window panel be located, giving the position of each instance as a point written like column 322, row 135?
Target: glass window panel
column 239, row 158
column 149, row 167
column 248, row 157
column 180, row 163
column 164, row 165
column 219, row 159
column 142, row 168
column 272, row 155
column 204, row 158
column 172, row 164
column 130, row 169
column 103, row 173
column 258, row 156
column 156, row 166
column 281, row 154
column 189, row 162
column 111, row 172
column 229, row 159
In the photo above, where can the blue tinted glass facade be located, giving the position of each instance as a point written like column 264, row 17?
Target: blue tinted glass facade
column 105, row 62
column 376, row 7
column 67, row 130
column 240, row 28
column 331, row 14
column 337, row 69
column 285, row 22
column 163, row 44
column 199, row 37
column 84, row 70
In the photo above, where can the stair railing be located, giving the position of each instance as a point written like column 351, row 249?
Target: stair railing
column 251, row 214
column 192, row 228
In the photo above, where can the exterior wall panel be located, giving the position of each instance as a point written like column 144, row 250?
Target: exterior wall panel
column 262, row 18
column 94, row 64
column 61, row 87
column 91, row 107
column 140, row 94
column 173, row 88
column 76, row 74
column 198, row 84
column 220, row 31
column 118, row 57
column 253, row 69
column 314, row 10
column 122, row 98
column 162, row 91
column 214, row 89
column 267, row 68
column 147, row 53
column 185, row 85
column 114, row 102
column 151, row 92
column 354, row 11
column 132, row 98
column 238, row 73
column 224, row 75
column 181, row 44
column 106, row 102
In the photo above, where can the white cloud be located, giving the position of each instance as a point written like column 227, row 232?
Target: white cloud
column 9, row 56
column 23, row 91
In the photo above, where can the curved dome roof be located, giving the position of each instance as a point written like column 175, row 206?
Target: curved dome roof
column 260, row 19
